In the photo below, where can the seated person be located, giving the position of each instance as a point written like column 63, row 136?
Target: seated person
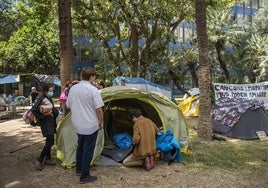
column 144, row 131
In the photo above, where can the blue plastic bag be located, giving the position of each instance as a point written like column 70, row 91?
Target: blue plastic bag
column 166, row 143
column 122, row 140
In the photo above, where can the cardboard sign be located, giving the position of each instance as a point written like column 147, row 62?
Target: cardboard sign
column 262, row 135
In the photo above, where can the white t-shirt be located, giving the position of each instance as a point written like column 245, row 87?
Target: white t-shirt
column 84, row 99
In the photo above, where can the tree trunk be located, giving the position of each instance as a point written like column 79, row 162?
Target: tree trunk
column 135, row 72
column 193, row 73
column 219, row 48
column 66, row 44
column 175, row 79
column 204, row 123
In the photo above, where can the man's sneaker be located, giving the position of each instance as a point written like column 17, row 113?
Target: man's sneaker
column 38, row 165
column 49, row 162
column 88, row 179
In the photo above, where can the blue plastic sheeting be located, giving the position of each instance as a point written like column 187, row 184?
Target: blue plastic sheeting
column 7, row 79
column 141, row 83
column 141, row 43
column 166, row 142
column 48, row 79
column 57, row 81
column 243, row 10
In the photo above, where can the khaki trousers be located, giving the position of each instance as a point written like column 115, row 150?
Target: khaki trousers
column 132, row 161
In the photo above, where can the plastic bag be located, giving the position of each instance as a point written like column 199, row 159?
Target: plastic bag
column 30, row 118
column 122, row 140
column 63, row 97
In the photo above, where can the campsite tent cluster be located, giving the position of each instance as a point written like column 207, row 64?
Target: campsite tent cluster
column 7, row 96
column 238, row 118
column 234, row 117
column 119, row 100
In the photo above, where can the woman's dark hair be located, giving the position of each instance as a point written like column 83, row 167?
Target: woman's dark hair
column 67, row 83
column 87, row 73
column 45, row 88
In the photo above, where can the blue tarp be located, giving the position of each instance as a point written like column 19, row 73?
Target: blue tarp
column 7, row 79
column 57, row 81
column 244, row 10
column 146, row 85
column 48, row 79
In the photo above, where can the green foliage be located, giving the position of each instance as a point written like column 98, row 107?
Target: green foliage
column 33, row 45
column 260, row 20
column 256, row 53
column 185, row 63
column 129, row 22
column 29, row 39
column 247, row 54
column 221, row 34
column 7, row 25
column 222, row 4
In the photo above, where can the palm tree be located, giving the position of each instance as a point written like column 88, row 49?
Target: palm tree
column 184, row 61
column 219, row 24
column 255, row 57
column 204, row 123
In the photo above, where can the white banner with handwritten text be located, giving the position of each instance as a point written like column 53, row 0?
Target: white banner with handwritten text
column 257, row 91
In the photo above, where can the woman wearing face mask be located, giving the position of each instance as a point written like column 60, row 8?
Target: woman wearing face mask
column 48, row 126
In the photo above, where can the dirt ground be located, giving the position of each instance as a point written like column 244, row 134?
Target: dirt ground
column 20, row 144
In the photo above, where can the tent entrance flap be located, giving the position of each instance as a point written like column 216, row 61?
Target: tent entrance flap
column 117, row 118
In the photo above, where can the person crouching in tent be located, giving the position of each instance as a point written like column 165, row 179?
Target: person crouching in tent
column 144, row 131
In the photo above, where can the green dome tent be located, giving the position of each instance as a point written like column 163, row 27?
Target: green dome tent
column 119, row 100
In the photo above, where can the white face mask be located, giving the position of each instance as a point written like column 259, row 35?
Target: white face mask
column 50, row 93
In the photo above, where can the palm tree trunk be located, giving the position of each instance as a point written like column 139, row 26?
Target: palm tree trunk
column 204, row 124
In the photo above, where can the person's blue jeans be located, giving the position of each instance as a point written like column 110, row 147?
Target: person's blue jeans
column 84, row 153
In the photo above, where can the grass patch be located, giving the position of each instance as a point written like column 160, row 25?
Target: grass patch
column 231, row 154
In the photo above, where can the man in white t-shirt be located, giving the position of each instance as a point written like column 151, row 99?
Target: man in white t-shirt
column 86, row 104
